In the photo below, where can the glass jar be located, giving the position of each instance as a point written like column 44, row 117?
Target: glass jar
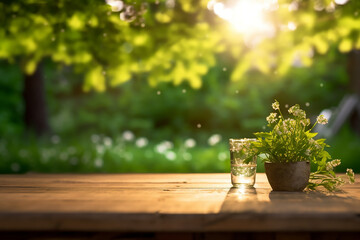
column 243, row 159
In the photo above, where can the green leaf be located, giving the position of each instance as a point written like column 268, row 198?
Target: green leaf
column 345, row 45
column 263, row 134
column 30, row 67
column 310, row 134
column 76, row 21
column 95, row 79
column 321, row 140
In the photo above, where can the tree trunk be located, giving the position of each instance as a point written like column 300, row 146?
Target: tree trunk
column 35, row 116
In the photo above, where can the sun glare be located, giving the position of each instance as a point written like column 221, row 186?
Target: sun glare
column 247, row 17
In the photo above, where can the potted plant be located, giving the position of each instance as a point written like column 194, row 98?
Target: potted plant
column 289, row 149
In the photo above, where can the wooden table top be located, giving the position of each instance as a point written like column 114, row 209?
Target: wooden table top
column 168, row 202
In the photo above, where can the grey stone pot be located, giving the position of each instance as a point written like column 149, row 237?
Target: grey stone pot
column 288, row 176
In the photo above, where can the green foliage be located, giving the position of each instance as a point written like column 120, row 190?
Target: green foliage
column 165, row 43
column 316, row 30
column 291, row 141
column 107, row 49
column 325, row 176
column 99, row 153
column 346, row 145
column 220, row 106
column 11, row 106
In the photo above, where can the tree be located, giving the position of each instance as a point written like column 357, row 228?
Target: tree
column 96, row 42
column 167, row 41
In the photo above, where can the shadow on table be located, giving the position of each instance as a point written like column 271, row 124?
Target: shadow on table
column 264, row 200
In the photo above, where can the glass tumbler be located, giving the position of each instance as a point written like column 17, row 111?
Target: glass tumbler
column 243, row 162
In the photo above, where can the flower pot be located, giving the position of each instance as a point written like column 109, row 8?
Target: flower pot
column 288, row 176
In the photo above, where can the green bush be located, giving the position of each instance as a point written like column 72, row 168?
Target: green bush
column 165, row 112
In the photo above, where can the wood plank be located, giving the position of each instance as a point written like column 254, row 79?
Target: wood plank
column 168, row 202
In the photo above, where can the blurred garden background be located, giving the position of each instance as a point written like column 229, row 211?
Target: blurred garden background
column 160, row 86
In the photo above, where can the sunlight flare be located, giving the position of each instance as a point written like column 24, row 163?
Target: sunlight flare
column 247, row 17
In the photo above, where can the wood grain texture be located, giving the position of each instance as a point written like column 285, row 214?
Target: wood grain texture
column 168, row 202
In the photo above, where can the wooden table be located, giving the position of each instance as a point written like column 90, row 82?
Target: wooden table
column 156, row 206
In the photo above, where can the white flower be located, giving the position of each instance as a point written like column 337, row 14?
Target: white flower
column 95, row 138
column 107, row 141
column 160, row 148
column 284, row 129
column 100, row 149
column 190, row 143
column 116, row 5
column 170, row 155
column 214, row 139
column 168, row 144
column 293, row 109
column 141, row 142
column 305, row 122
column 128, row 135
column 98, row 162
column 299, row 113
column 276, row 105
column 222, row 156
column 351, row 175
column 321, row 119
column 332, row 164
column 271, row 118
column 164, row 146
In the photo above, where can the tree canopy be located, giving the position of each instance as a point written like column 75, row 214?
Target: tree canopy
column 171, row 41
